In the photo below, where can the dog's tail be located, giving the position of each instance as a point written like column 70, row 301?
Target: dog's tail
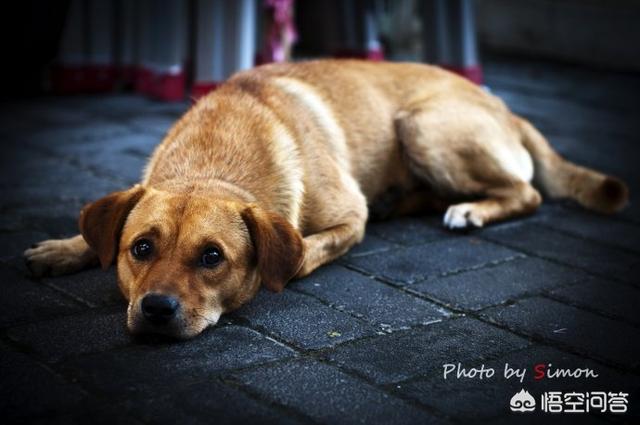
column 559, row 178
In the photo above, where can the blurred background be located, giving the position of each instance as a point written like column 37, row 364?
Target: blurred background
column 175, row 49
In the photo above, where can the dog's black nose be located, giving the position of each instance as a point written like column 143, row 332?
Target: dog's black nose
column 158, row 308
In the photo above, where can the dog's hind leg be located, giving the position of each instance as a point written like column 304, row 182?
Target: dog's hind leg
column 60, row 256
column 501, row 203
column 469, row 151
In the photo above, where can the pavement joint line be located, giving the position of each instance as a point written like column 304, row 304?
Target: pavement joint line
column 231, row 381
column 363, row 378
column 332, row 306
column 70, row 160
column 531, row 337
column 487, row 265
column 321, row 350
column 553, row 260
column 592, row 240
column 239, row 321
column 604, row 314
column 572, row 207
column 383, row 387
column 539, row 339
column 375, row 251
column 526, row 295
column 453, row 272
column 380, row 330
column 69, row 294
column 98, row 394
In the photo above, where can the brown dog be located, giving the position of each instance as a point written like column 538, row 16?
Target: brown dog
column 269, row 177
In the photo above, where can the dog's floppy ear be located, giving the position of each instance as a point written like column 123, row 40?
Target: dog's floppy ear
column 278, row 245
column 101, row 222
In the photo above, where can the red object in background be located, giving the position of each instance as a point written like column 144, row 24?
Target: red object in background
column 75, row 79
column 100, row 78
column 167, row 85
column 127, row 75
column 472, row 73
column 67, row 79
column 202, row 88
column 143, row 81
column 375, row 55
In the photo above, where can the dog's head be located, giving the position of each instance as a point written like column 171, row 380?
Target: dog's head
column 183, row 260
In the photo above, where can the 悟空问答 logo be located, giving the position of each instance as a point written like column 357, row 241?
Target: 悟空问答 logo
column 522, row 402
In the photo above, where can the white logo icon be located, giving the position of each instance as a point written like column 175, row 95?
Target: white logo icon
column 522, row 402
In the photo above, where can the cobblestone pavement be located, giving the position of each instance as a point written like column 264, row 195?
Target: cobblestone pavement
column 363, row 340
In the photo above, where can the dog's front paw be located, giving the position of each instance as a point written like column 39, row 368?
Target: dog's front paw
column 462, row 216
column 57, row 257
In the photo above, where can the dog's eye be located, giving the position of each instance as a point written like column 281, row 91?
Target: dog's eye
column 211, row 257
column 142, row 248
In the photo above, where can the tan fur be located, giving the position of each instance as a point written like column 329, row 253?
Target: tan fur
column 277, row 168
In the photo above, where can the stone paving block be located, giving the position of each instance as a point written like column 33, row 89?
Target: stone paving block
column 25, row 301
column 13, row 244
column 550, row 80
column 370, row 245
column 118, row 107
column 410, row 230
column 176, row 109
column 126, row 167
column 30, row 389
column 328, row 395
column 301, row 320
column 95, row 129
column 579, row 329
column 556, row 246
column 481, row 400
column 54, row 220
column 91, row 411
column 96, row 287
column 597, row 227
column 477, row 289
column 422, row 351
column 157, row 124
column 416, row 263
column 52, row 180
column 138, row 144
column 612, row 299
column 82, row 333
column 379, row 304
column 148, row 370
column 122, row 157
column 204, row 403
column 61, row 115
column 632, row 212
